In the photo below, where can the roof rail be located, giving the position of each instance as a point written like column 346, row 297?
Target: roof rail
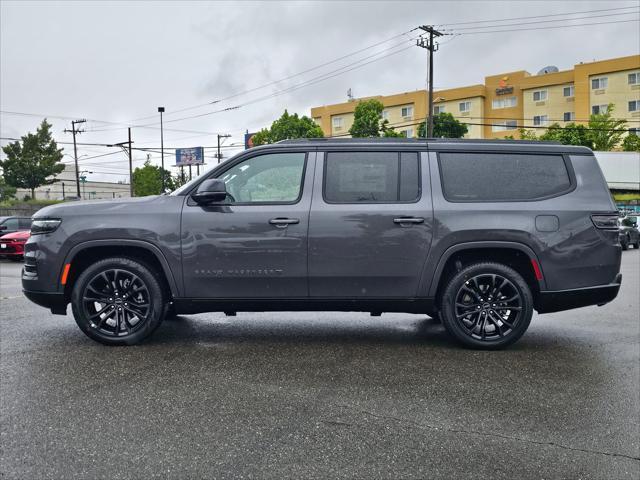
column 419, row 140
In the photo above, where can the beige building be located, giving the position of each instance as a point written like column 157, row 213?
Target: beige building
column 506, row 102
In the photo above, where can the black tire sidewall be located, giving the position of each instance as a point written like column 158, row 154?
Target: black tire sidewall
column 447, row 312
column 156, row 296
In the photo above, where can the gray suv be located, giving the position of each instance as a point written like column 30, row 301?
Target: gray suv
column 476, row 233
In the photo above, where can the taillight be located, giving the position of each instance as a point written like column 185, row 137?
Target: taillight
column 605, row 221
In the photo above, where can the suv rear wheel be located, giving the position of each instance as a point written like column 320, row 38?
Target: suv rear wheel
column 486, row 306
column 118, row 301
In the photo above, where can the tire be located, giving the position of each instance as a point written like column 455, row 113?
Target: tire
column 625, row 243
column 474, row 307
column 636, row 244
column 118, row 301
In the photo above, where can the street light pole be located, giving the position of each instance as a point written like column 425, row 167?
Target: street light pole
column 161, row 111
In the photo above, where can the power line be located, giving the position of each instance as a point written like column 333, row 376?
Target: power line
column 545, row 21
column 545, row 28
column 537, row 16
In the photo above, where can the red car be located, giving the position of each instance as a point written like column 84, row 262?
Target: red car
column 12, row 244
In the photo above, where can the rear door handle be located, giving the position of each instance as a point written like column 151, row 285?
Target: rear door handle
column 408, row 220
column 283, row 222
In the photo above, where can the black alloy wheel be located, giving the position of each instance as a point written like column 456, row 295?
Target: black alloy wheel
column 487, row 305
column 118, row 301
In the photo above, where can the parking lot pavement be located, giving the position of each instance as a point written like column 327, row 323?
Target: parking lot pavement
column 316, row 395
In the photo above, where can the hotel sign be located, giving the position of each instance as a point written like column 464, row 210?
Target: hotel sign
column 504, row 90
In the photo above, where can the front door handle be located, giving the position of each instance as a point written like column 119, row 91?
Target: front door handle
column 283, row 222
column 408, row 220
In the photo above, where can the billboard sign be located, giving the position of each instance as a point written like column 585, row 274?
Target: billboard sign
column 248, row 140
column 189, row 156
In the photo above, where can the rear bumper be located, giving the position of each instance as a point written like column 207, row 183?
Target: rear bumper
column 53, row 301
column 556, row 301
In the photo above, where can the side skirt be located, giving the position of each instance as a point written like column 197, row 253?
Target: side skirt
column 202, row 305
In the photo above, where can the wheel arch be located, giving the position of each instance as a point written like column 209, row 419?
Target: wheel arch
column 93, row 250
column 517, row 255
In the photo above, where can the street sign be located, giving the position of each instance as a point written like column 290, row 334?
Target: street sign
column 189, row 156
column 83, row 179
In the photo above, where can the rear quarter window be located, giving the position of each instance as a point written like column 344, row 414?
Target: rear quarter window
column 487, row 177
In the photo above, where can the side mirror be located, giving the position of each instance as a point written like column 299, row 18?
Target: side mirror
column 210, row 191
column 3, row 227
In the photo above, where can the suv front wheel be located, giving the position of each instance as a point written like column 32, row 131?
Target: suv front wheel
column 486, row 306
column 118, row 301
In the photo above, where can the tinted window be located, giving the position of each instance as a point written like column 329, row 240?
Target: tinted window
column 497, row 176
column 371, row 177
column 25, row 223
column 275, row 177
column 11, row 224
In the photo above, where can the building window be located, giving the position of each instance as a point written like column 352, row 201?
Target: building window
column 408, row 133
column 568, row 91
column 337, row 123
column 540, row 120
column 407, row 112
column 569, row 116
column 505, row 102
column 598, row 83
column 634, row 78
column 540, row 96
column 502, row 126
column 465, row 106
column 634, row 105
column 634, row 131
column 385, row 114
column 438, row 109
column 598, row 109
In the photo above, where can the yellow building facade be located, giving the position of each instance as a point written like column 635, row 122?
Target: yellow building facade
column 509, row 101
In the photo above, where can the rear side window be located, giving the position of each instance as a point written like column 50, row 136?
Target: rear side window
column 486, row 177
column 25, row 223
column 371, row 177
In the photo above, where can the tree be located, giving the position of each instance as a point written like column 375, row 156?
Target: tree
column 366, row 119
column 606, row 131
column 32, row 160
column 570, row 134
column 631, row 143
column 147, row 180
column 288, row 127
column 444, row 126
column 6, row 191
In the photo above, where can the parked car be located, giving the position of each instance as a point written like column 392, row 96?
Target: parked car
column 14, row 224
column 479, row 233
column 628, row 231
column 12, row 244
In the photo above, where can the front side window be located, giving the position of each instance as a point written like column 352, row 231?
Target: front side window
column 539, row 96
column 271, row 178
column 371, row 177
column 487, row 177
column 10, row 224
column 568, row 91
column 599, row 83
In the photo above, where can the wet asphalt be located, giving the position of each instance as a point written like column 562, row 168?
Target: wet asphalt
column 320, row 395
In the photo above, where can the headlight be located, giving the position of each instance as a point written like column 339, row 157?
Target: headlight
column 44, row 225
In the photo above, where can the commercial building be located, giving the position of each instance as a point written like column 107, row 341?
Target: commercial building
column 65, row 187
column 506, row 102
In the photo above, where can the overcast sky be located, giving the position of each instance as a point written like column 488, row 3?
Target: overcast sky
column 119, row 61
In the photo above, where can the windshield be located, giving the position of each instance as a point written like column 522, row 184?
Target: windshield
column 187, row 186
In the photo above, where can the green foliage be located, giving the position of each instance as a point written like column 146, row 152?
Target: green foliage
column 32, row 160
column 366, row 119
column 6, row 191
column 288, row 127
column 631, row 143
column 606, row 131
column 147, row 180
column 570, row 134
column 444, row 126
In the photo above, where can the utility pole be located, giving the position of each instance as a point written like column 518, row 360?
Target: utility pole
column 130, row 166
column 161, row 111
column 219, row 156
column 75, row 150
column 423, row 42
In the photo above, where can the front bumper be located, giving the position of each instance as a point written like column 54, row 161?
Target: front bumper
column 56, row 302
column 559, row 300
column 11, row 249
